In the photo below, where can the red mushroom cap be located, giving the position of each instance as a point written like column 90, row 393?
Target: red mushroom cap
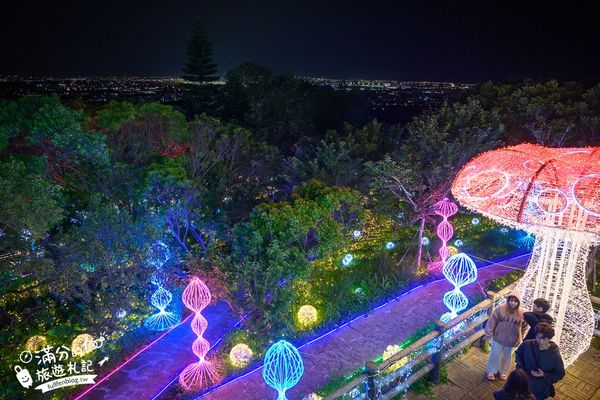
column 531, row 186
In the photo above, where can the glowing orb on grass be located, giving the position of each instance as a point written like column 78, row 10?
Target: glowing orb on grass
column 36, row 343
column 240, row 355
column 356, row 234
column 452, row 251
column 475, row 221
column 347, row 259
column 307, row 316
column 425, row 241
column 390, row 245
column 390, row 351
column 458, row 243
column 83, row 344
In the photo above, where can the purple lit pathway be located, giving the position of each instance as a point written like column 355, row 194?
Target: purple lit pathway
column 364, row 339
column 153, row 369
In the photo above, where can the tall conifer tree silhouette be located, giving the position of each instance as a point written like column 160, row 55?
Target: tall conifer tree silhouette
column 200, row 66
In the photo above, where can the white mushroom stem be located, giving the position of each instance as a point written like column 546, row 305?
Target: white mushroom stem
column 556, row 272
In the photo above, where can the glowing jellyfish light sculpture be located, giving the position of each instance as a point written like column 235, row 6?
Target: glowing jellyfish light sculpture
column 158, row 254
column 554, row 193
column 202, row 373
column 283, row 367
column 460, row 270
column 445, row 209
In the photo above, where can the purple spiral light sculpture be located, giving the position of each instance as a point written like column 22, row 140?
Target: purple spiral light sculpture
column 444, row 208
column 202, row 373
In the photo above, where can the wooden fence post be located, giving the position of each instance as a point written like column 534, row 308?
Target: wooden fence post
column 492, row 296
column 372, row 372
column 438, row 357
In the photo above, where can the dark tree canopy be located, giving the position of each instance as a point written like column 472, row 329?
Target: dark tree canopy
column 199, row 66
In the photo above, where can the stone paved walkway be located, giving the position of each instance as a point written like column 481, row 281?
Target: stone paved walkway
column 349, row 347
column 148, row 373
column 466, row 375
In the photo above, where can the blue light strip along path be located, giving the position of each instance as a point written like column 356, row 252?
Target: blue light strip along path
column 343, row 350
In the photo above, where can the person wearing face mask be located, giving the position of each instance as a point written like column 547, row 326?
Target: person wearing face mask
column 541, row 359
column 505, row 326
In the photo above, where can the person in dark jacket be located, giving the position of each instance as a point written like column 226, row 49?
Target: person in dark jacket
column 542, row 361
column 540, row 308
column 516, row 387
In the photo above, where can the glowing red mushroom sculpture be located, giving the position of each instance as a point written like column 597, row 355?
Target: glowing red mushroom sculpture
column 555, row 194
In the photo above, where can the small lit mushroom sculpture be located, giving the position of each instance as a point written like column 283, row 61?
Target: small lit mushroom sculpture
column 555, row 194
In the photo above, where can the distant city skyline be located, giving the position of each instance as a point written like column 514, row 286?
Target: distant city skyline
column 384, row 40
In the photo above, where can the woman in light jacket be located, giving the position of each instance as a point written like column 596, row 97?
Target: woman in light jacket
column 505, row 327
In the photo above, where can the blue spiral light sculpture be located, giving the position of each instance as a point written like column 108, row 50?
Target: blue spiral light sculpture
column 282, row 368
column 460, row 270
column 158, row 255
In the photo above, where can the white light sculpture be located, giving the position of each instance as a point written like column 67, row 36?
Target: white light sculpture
column 390, row 245
column 356, row 234
column 460, row 270
column 425, row 241
column 158, row 254
column 555, row 194
column 283, row 367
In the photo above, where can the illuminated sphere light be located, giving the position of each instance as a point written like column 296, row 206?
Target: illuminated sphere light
column 425, row 241
column 460, row 271
column 359, row 291
column 201, row 374
column 158, row 254
column 283, row 367
column 458, row 243
column 390, row 351
column 347, row 259
column 390, row 245
column 240, row 355
column 475, row 221
column 356, row 234
column 312, row 396
column 553, row 193
column 307, row 316
column 452, row 250
column 121, row 313
column 83, row 344
column 36, row 343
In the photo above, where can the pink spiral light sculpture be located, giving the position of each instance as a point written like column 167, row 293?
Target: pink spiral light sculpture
column 202, row 373
column 444, row 208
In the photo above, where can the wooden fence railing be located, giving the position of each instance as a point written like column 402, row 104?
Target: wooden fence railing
column 424, row 357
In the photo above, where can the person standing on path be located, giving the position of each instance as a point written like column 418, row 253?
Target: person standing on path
column 516, row 387
column 505, row 326
column 542, row 361
column 540, row 308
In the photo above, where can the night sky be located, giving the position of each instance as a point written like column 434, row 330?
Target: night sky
column 420, row 40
